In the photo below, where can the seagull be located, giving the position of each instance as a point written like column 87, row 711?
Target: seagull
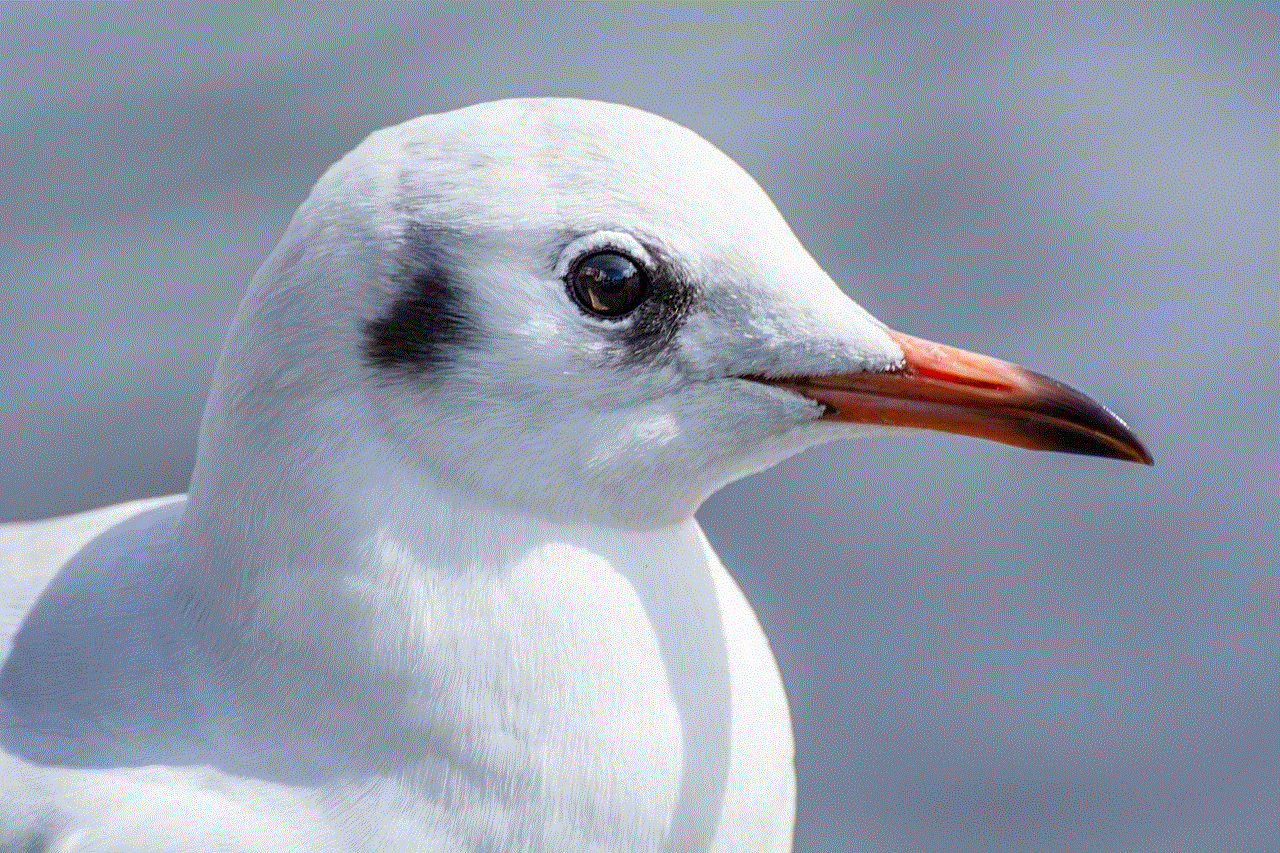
column 437, row 583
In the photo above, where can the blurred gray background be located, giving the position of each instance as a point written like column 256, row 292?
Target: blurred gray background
column 986, row 649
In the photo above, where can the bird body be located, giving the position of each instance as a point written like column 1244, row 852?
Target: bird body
column 437, row 584
column 640, row 704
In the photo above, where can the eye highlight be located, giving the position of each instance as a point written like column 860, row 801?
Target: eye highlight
column 608, row 284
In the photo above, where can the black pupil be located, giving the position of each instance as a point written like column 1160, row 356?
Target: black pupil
column 608, row 284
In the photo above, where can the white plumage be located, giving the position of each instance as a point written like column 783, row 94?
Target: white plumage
column 437, row 585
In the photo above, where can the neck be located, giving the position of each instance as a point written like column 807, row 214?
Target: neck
column 397, row 625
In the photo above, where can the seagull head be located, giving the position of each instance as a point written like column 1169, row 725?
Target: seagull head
column 583, row 312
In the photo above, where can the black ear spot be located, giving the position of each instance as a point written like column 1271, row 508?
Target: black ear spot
column 428, row 322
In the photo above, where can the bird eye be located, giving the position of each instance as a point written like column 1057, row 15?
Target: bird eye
column 608, row 284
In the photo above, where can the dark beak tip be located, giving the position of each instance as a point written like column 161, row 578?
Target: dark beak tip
column 1110, row 439
column 1134, row 453
column 1143, row 456
column 1073, row 422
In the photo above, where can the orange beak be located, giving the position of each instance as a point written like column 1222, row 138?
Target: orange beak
column 951, row 390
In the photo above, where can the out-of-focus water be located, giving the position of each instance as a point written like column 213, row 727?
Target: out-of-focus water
column 986, row 649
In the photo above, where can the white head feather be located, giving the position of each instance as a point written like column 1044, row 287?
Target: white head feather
column 522, row 397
